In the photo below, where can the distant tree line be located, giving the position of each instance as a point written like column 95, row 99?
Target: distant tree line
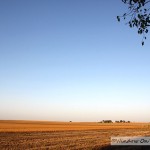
column 122, row 121
column 110, row 121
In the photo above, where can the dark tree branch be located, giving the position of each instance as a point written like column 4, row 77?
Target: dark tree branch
column 138, row 16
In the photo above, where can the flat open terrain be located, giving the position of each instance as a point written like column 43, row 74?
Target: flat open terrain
column 65, row 135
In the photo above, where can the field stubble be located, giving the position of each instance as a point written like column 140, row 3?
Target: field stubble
column 62, row 135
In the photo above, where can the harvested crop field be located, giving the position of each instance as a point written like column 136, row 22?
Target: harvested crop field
column 65, row 135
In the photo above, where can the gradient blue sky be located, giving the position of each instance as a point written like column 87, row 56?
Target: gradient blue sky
column 71, row 60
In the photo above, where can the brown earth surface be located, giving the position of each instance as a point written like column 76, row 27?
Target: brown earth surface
column 67, row 135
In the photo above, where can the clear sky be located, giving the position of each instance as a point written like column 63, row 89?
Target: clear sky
column 64, row 60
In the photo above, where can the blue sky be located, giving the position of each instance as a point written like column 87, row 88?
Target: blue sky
column 71, row 60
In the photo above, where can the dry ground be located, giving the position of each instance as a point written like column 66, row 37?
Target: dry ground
column 65, row 136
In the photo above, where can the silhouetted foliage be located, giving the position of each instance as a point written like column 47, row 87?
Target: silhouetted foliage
column 138, row 15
